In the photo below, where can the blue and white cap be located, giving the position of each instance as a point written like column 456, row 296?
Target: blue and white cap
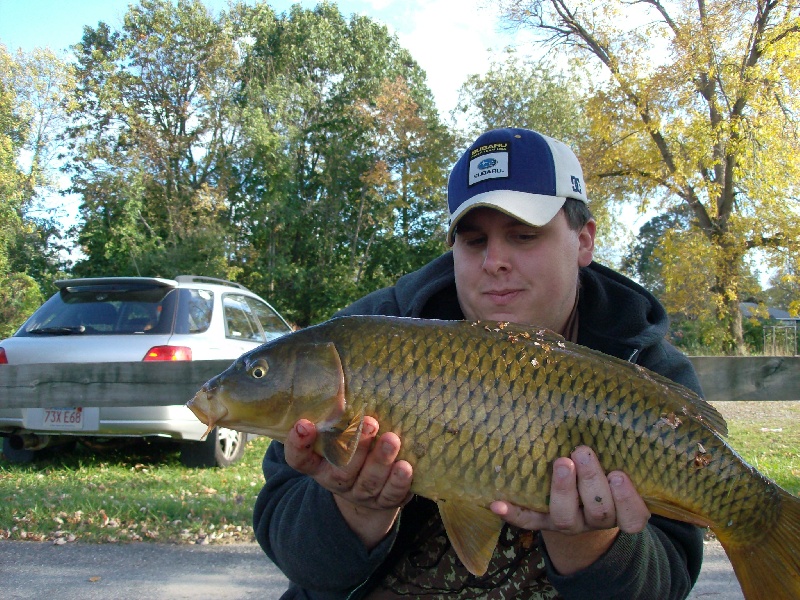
column 519, row 172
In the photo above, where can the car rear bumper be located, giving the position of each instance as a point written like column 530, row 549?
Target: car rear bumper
column 175, row 422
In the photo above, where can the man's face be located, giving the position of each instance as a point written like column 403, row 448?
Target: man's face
column 508, row 271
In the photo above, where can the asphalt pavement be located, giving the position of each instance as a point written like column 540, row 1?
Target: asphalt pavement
column 141, row 571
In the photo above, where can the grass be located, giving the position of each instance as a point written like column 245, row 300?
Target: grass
column 144, row 493
column 133, row 494
column 773, row 447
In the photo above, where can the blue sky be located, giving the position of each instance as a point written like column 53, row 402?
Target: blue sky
column 450, row 39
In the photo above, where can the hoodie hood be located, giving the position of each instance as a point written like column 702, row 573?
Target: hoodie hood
column 617, row 315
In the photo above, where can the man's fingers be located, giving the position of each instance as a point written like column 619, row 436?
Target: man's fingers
column 565, row 507
column 397, row 490
column 520, row 517
column 377, row 467
column 632, row 512
column 343, row 479
column 299, row 450
column 599, row 511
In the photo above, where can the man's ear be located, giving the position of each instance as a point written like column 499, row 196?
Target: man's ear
column 586, row 243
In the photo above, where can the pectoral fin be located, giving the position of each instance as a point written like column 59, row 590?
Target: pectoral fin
column 473, row 531
column 338, row 443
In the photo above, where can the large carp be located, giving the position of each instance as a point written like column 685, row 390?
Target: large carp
column 483, row 409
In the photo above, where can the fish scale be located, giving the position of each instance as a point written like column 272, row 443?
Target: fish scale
column 557, row 404
column 483, row 410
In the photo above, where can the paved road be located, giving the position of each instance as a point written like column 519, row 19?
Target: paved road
column 170, row 572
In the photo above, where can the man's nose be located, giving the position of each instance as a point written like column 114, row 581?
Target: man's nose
column 496, row 256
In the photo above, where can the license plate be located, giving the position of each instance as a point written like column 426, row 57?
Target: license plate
column 62, row 419
column 69, row 419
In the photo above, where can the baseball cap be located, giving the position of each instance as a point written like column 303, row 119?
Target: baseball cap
column 519, row 172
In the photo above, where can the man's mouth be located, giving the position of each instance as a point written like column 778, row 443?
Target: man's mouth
column 501, row 296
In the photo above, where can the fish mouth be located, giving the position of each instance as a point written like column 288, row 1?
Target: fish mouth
column 201, row 405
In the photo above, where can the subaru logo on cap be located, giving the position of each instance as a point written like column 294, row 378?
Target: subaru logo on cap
column 487, row 164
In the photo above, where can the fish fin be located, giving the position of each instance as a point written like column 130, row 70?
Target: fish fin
column 693, row 405
column 673, row 511
column 473, row 530
column 338, row 443
column 696, row 407
column 712, row 417
column 209, row 429
column 769, row 568
column 318, row 383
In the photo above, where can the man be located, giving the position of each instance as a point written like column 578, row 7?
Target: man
column 522, row 243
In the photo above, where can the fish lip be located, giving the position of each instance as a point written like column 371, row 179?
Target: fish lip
column 205, row 417
column 198, row 412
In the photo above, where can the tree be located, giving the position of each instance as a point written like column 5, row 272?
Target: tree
column 14, row 187
column 344, row 164
column 643, row 261
column 151, row 140
column 402, row 196
column 697, row 105
column 32, row 88
column 784, row 290
column 524, row 92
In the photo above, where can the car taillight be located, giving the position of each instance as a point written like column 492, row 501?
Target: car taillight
column 168, row 353
column 3, row 357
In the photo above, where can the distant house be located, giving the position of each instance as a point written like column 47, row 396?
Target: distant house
column 780, row 332
column 751, row 309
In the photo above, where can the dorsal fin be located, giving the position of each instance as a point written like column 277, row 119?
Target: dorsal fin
column 693, row 405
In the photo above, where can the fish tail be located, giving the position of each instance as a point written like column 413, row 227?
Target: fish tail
column 770, row 568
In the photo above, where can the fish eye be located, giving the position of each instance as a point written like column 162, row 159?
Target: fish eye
column 259, row 369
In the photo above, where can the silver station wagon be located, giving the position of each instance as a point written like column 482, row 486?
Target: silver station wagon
column 126, row 319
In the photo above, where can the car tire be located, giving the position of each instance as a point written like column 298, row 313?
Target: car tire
column 12, row 455
column 221, row 448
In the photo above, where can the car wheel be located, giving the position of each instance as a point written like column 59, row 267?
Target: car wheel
column 221, row 448
column 16, row 456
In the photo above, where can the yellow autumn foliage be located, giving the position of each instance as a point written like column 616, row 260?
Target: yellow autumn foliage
column 695, row 104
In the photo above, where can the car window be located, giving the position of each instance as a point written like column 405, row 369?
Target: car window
column 140, row 317
column 272, row 324
column 240, row 322
column 103, row 309
column 194, row 311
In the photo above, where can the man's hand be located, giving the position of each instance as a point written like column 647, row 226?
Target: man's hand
column 587, row 511
column 369, row 490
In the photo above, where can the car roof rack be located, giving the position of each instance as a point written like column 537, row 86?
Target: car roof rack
column 204, row 279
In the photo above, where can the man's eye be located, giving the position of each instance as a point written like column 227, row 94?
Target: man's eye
column 475, row 241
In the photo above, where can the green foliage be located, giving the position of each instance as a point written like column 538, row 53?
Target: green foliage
column 291, row 152
column 345, row 163
column 151, row 140
column 30, row 88
column 642, row 261
column 708, row 337
column 20, row 295
column 526, row 93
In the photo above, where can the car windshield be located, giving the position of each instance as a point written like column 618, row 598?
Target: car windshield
column 102, row 310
